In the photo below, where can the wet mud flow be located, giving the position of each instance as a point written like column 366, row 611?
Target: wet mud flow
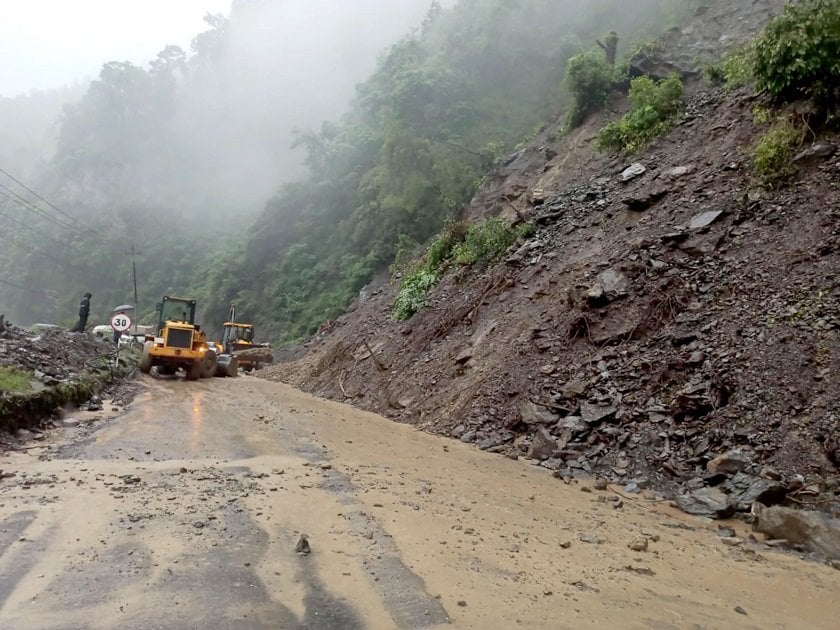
column 188, row 510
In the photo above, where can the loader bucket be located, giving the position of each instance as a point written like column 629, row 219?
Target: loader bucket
column 227, row 365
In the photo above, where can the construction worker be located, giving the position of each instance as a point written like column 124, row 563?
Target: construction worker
column 84, row 311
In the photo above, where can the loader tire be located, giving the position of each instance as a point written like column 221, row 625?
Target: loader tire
column 146, row 359
column 194, row 371
column 208, row 365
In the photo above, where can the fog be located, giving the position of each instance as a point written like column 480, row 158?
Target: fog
column 200, row 138
column 288, row 65
column 215, row 138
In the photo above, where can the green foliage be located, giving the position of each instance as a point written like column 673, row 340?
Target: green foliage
column 14, row 380
column 653, row 108
column 798, row 54
column 734, row 70
column 423, row 131
column 772, row 154
column 589, row 78
column 761, row 115
column 412, row 295
column 487, row 241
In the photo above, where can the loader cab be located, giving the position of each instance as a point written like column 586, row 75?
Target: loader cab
column 237, row 336
column 239, row 333
column 173, row 309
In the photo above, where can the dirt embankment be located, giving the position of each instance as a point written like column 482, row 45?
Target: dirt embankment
column 42, row 371
column 660, row 317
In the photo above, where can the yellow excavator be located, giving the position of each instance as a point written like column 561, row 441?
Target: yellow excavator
column 238, row 341
column 178, row 342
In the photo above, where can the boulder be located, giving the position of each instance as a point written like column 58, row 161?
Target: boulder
column 533, row 414
column 729, row 463
column 543, row 445
column 708, row 502
column 593, row 414
column 633, row 171
column 816, row 531
column 764, row 491
column 705, row 219
column 609, row 286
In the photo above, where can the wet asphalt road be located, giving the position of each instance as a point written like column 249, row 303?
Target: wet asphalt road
column 172, row 515
column 184, row 510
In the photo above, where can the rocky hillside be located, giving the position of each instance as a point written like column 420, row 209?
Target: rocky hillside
column 42, row 371
column 668, row 309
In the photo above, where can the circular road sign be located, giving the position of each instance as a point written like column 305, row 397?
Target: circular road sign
column 121, row 322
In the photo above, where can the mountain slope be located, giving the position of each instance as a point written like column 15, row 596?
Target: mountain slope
column 647, row 326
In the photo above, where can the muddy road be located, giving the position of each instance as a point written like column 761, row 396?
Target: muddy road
column 184, row 511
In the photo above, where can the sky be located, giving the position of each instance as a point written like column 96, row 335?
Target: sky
column 50, row 43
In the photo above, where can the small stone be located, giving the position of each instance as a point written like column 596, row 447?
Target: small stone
column 585, row 489
column 592, row 540
column 462, row 603
column 600, row 484
column 639, row 544
column 302, row 547
column 740, row 610
column 566, row 544
column 732, row 541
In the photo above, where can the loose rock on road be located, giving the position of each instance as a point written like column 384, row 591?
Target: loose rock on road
column 247, row 504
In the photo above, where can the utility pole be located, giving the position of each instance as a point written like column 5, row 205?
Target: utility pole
column 134, row 253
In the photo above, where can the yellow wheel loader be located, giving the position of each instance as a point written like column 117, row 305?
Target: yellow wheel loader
column 238, row 340
column 178, row 342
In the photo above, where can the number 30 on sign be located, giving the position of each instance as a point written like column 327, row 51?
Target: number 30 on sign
column 121, row 322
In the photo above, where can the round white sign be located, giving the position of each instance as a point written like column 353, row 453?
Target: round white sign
column 121, row 322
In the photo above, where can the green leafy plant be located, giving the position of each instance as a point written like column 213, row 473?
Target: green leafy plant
column 457, row 243
column 653, row 108
column 14, row 380
column 772, row 154
column 798, row 54
column 486, row 241
column 734, row 70
column 412, row 295
column 589, row 78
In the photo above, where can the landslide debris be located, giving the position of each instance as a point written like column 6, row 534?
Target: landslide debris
column 52, row 368
column 671, row 322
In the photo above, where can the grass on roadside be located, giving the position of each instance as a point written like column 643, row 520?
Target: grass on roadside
column 14, row 380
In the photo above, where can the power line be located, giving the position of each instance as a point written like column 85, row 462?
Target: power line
column 20, row 183
column 74, row 222
column 30, row 228
column 11, row 195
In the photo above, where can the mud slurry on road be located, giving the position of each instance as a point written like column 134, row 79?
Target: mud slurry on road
column 185, row 512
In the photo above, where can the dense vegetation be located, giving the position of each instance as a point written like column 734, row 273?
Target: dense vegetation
column 458, row 244
column 797, row 56
column 442, row 107
column 653, row 107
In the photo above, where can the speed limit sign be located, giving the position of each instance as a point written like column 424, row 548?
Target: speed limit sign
column 121, row 323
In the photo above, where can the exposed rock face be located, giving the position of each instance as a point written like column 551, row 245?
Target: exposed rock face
column 714, row 29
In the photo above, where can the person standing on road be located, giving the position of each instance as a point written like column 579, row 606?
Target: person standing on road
column 84, row 311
